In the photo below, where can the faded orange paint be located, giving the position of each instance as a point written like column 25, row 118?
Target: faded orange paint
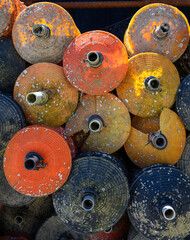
column 51, row 49
column 139, row 36
column 132, row 91
column 63, row 98
column 51, row 147
column 9, row 10
column 145, row 125
column 143, row 154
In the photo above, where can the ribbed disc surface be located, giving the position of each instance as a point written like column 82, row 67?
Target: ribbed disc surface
column 139, row 36
column 62, row 97
column 142, row 153
column 27, row 218
column 183, row 102
column 114, row 133
column 54, row 229
column 132, row 90
column 51, row 49
column 101, row 175
column 184, row 161
column 51, row 147
column 95, row 80
column 153, row 189
column 11, row 65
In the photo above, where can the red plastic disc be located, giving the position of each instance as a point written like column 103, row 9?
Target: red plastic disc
column 51, row 147
column 95, row 62
column 69, row 140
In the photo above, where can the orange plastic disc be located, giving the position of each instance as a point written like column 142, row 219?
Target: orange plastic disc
column 37, row 161
column 101, row 123
column 158, row 28
column 69, row 140
column 150, row 85
column 95, row 62
column 145, row 125
column 44, row 95
column 42, row 32
column 166, row 147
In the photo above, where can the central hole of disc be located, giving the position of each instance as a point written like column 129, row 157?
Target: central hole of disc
column 95, row 126
column 169, row 214
column 88, row 204
column 29, row 164
column 165, row 27
column 154, row 84
column 18, row 220
column 160, row 141
column 38, row 30
column 31, row 98
column 92, row 56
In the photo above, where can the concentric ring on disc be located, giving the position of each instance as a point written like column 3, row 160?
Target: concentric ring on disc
column 153, row 189
column 132, row 91
column 101, row 79
column 184, row 162
column 183, row 102
column 105, row 178
column 51, row 49
column 140, row 34
column 115, row 118
column 140, row 150
column 51, row 147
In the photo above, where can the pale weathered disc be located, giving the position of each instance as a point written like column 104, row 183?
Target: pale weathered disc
column 45, row 49
column 140, row 34
column 154, row 188
column 101, row 176
column 133, row 92
column 115, row 128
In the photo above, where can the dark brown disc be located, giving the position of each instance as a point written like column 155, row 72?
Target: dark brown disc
column 27, row 218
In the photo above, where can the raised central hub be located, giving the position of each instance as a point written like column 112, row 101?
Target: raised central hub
column 152, row 83
column 37, row 98
column 94, row 58
column 41, row 31
column 162, row 31
column 33, row 161
column 158, row 140
column 168, row 212
column 95, row 123
column 88, row 202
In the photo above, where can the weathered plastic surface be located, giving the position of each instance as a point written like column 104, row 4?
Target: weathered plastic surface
column 133, row 92
column 62, row 97
column 140, row 34
column 51, row 147
column 35, row 49
column 145, row 125
column 69, row 140
column 183, row 102
column 11, row 121
column 11, row 65
column 115, row 128
column 117, row 232
column 9, row 10
column 27, row 218
column 103, row 177
column 153, row 189
column 103, row 78
column 183, row 63
column 141, row 151
column 134, row 235
column 184, row 162
column 53, row 228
